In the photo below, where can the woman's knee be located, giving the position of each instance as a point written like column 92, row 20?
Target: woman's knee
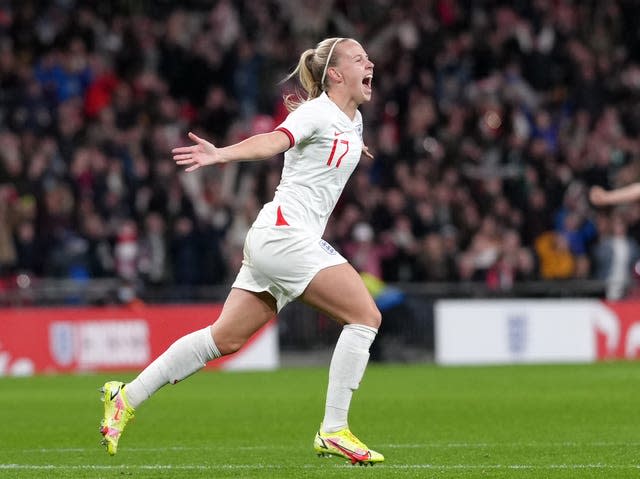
column 375, row 319
column 372, row 318
column 227, row 341
column 243, row 313
column 229, row 345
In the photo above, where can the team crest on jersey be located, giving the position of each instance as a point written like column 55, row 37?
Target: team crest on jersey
column 359, row 130
column 327, row 247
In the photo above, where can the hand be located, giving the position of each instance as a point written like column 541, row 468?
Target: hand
column 365, row 152
column 597, row 195
column 202, row 153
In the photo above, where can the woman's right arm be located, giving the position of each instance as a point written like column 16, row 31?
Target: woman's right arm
column 257, row 147
column 601, row 197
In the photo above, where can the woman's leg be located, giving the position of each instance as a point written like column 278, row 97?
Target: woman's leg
column 340, row 292
column 243, row 313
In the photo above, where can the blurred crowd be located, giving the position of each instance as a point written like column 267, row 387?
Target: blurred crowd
column 489, row 122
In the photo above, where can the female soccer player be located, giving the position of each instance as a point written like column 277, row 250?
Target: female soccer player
column 285, row 257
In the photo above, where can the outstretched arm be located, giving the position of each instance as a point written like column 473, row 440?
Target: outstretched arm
column 601, row 197
column 257, row 147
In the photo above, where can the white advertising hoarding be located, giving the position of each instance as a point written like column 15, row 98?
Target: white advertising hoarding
column 518, row 331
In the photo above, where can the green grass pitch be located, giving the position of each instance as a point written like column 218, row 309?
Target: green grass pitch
column 578, row 421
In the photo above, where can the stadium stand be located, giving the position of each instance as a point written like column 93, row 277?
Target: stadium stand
column 489, row 122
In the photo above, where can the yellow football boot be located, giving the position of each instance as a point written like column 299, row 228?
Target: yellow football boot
column 117, row 414
column 344, row 444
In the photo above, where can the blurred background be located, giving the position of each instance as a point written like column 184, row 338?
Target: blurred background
column 489, row 122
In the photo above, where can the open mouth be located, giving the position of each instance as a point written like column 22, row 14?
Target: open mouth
column 368, row 81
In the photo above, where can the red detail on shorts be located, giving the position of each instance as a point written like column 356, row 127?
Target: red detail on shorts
column 292, row 141
column 280, row 221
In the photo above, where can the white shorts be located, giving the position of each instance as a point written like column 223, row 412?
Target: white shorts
column 283, row 261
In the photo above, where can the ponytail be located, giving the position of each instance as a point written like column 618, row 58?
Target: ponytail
column 312, row 72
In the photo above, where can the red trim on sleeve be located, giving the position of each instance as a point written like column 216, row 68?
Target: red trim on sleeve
column 288, row 133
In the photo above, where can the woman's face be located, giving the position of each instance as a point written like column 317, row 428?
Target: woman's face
column 354, row 70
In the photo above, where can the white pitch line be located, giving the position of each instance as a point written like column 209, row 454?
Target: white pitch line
column 514, row 466
column 471, row 445
column 439, row 467
column 433, row 445
column 148, row 449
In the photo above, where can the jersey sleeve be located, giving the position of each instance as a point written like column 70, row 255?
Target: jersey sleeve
column 301, row 124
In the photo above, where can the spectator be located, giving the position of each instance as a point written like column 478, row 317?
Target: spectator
column 100, row 260
column 185, row 262
column 26, row 246
column 514, row 264
column 8, row 255
column 432, row 261
column 484, row 249
column 153, row 263
column 365, row 254
column 482, row 110
column 127, row 251
column 615, row 256
column 556, row 259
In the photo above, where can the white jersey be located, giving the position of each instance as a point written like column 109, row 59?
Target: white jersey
column 325, row 149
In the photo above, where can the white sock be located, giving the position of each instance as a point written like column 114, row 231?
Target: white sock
column 345, row 373
column 183, row 358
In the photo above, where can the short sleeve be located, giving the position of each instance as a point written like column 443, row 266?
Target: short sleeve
column 301, row 124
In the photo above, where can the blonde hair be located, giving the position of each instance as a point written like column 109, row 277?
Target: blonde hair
column 312, row 72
